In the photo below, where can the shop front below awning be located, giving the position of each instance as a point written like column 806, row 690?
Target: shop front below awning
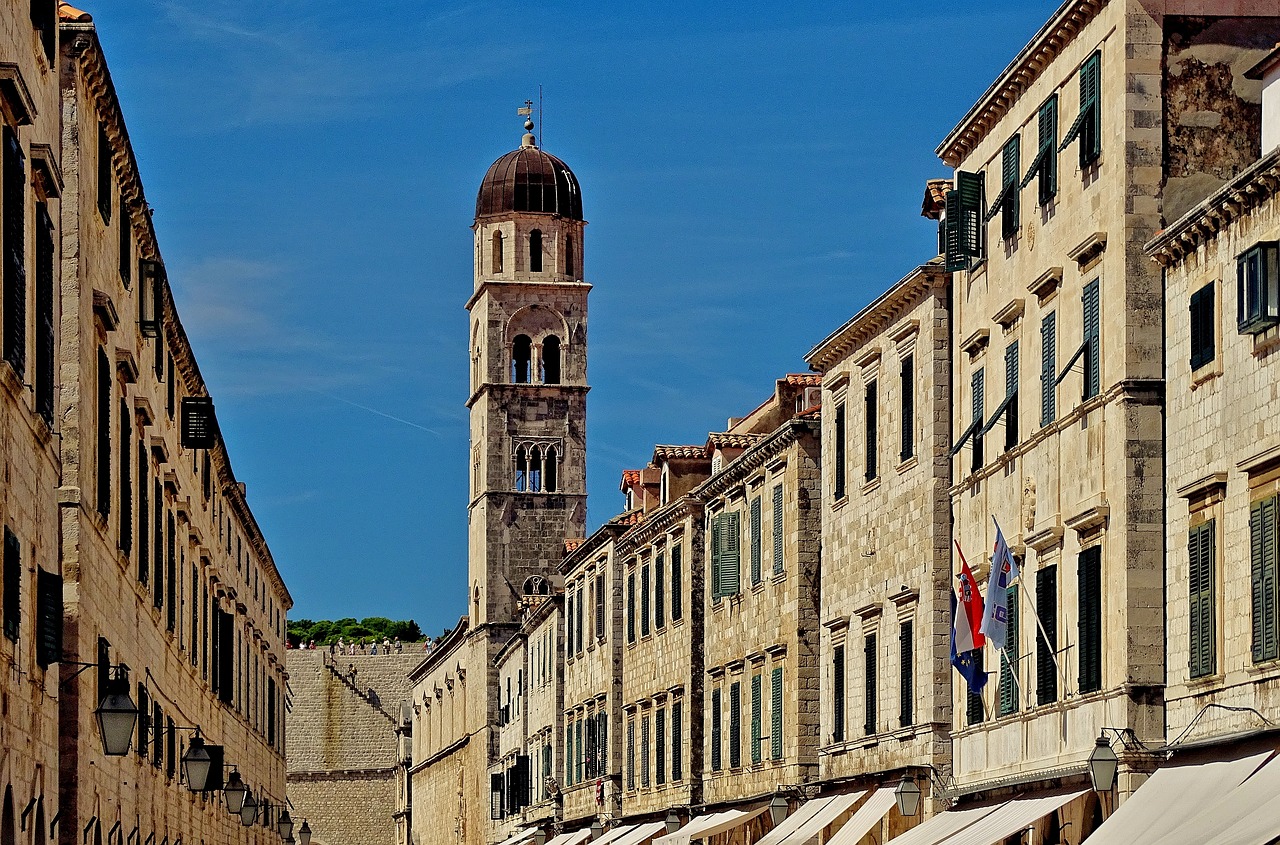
column 985, row 825
column 702, row 827
column 577, row 837
column 521, row 837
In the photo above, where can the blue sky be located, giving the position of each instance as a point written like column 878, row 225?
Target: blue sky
column 752, row 175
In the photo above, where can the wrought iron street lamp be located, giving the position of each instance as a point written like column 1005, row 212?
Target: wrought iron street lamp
column 248, row 809
column 234, row 792
column 285, row 825
column 197, row 764
column 907, row 796
column 117, row 714
column 778, row 807
column 1102, row 765
column 304, row 833
column 672, row 822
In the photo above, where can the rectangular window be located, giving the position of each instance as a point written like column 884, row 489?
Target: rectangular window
column 1093, row 341
column 735, row 724
column 568, row 615
column 1006, row 202
column 157, row 548
column 660, row 591
column 13, row 171
column 757, row 700
column 600, row 606
column 104, row 173
column 961, row 231
column 677, row 740
column 126, row 481
column 171, row 574
column 1011, row 396
column 1262, row 559
column 715, row 730
column 104, row 433
column 975, row 712
column 1009, row 691
column 602, row 742
column 144, row 515
column 869, row 689
column 631, row 607
column 908, row 407
column 756, row 546
column 1202, row 327
column 1202, row 644
column 906, row 674
column 1089, row 574
column 775, row 714
column 44, row 313
column 144, row 721
column 1045, row 164
column 48, row 617
column 677, row 583
column 126, row 244
column 1049, row 368
column 577, row 757
column 1087, row 126
column 726, row 553
column 157, row 735
column 869, row 419
column 12, row 585
column 660, row 746
column 645, row 608
column 979, row 388
column 837, row 694
column 1046, row 651
column 777, row 530
column 644, row 750
column 840, row 458
column 1258, row 288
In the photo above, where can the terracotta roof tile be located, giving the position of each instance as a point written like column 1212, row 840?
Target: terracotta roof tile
column 805, row 379
column 630, row 476
column 631, row 517
column 67, row 12
column 935, row 198
column 666, row 453
column 572, row 545
column 725, row 440
column 810, row 413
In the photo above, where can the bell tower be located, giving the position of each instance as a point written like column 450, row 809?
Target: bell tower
column 528, row 401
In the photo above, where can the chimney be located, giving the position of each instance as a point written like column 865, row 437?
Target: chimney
column 1268, row 70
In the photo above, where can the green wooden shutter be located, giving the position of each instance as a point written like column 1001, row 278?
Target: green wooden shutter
column 716, row 759
column 1009, row 168
column 906, row 673
column 1203, row 634
column 970, row 188
column 908, row 409
column 954, row 259
column 45, row 257
column 1092, row 336
column 715, row 556
column 1047, row 610
column 1049, row 368
column 645, row 747
column 1264, row 578
column 1048, row 130
column 600, row 606
column 841, row 456
column 660, row 746
column 1202, row 326
column 1011, row 395
column 12, row 585
column 1091, row 104
column 677, row 582
column 869, row 415
column 869, row 688
column 645, row 599
column 735, row 724
column 660, row 590
column 48, row 617
column 13, row 219
column 756, row 702
column 777, row 530
column 775, row 714
column 974, row 711
column 730, row 553
column 978, row 381
column 837, row 694
column 1089, row 596
column 104, row 433
column 631, row 754
column 1009, row 658
column 631, row 607
column 677, row 740
column 756, row 548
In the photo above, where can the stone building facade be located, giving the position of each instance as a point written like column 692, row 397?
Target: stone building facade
column 886, row 539
column 166, row 571
column 31, row 591
column 344, row 744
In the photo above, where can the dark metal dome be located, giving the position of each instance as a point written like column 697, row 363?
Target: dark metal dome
column 530, row 180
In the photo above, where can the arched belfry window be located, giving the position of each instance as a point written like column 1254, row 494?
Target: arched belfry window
column 521, row 359
column 522, row 470
column 535, row 251
column 568, row 255
column 537, row 464
column 535, row 470
column 550, row 470
column 497, row 251
column 536, row 585
column 551, row 360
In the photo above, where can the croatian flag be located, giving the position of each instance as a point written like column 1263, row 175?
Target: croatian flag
column 967, row 620
column 966, row 662
column 995, row 616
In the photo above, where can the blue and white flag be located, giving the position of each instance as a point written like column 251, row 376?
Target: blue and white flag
column 995, row 615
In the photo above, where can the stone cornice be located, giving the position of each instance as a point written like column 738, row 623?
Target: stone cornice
column 1234, row 200
column 1047, row 44
column 598, row 540
column 754, row 458
column 519, row 283
column 456, row 637
column 659, row 522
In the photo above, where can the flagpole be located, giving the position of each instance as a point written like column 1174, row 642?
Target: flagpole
column 1053, row 651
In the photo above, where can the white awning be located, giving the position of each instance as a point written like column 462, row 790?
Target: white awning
column 1250, row 813
column 614, row 835
column 640, row 834
column 709, row 825
column 937, row 829
column 820, row 810
column 1170, row 798
column 1011, row 817
column 868, row 815
column 519, row 837
column 575, row 838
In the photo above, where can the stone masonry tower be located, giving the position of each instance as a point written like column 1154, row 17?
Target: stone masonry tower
column 528, row 398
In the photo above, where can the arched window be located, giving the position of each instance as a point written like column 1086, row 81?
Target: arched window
column 535, row 251
column 535, row 470
column 551, row 360
column 522, row 470
column 521, row 357
column 568, row 255
column 497, row 252
column 664, row 489
column 550, row 470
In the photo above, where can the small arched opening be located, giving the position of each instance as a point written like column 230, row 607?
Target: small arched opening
column 535, row 470
column 664, row 486
column 535, row 251
column 551, row 360
column 551, row 470
column 521, row 359
column 536, row 585
column 522, row 470
column 497, row 252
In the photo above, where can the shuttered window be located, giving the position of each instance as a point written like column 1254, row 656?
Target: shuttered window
column 171, row 574
column 838, row 488
column 104, row 434
column 44, row 313
column 677, row 583
column 775, row 714
column 577, row 755
column 1086, row 128
column 226, row 657
column 870, row 401
column 726, row 553
column 1046, row 652
column 1045, row 164
column 13, row 205
column 645, row 609
column 157, row 549
column 1011, row 396
column 777, row 531
column 908, row 408
column 644, row 750
column 144, row 515
column 144, row 721
column 660, row 746
column 600, row 606
column 715, row 730
column 1202, row 327
column 757, row 701
column 1202, row 640
column 104, row 173
column 1048, row 368
column 1093, row 341
column 906, row 673
column 677, row 740
column 631, row 607
column 157, row 734
column 126, row 481
column 602, row 740
column 568, row 633
column 978, row 385
column 962, row 239
column 837, row 694
column 12, row 585
column 1089, row 596
column 1262, row 543
column 1006, row 203
column 48, row 617
column 1009, row 676
column 735, row 724
column 975, row 713
column 126, row 244
column 869, row 688
column 660, row 591
column 756, row 546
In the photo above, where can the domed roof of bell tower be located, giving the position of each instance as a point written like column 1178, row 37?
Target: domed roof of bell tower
column 529, row 181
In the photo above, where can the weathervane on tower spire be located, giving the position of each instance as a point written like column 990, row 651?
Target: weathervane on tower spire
column 526, row 111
